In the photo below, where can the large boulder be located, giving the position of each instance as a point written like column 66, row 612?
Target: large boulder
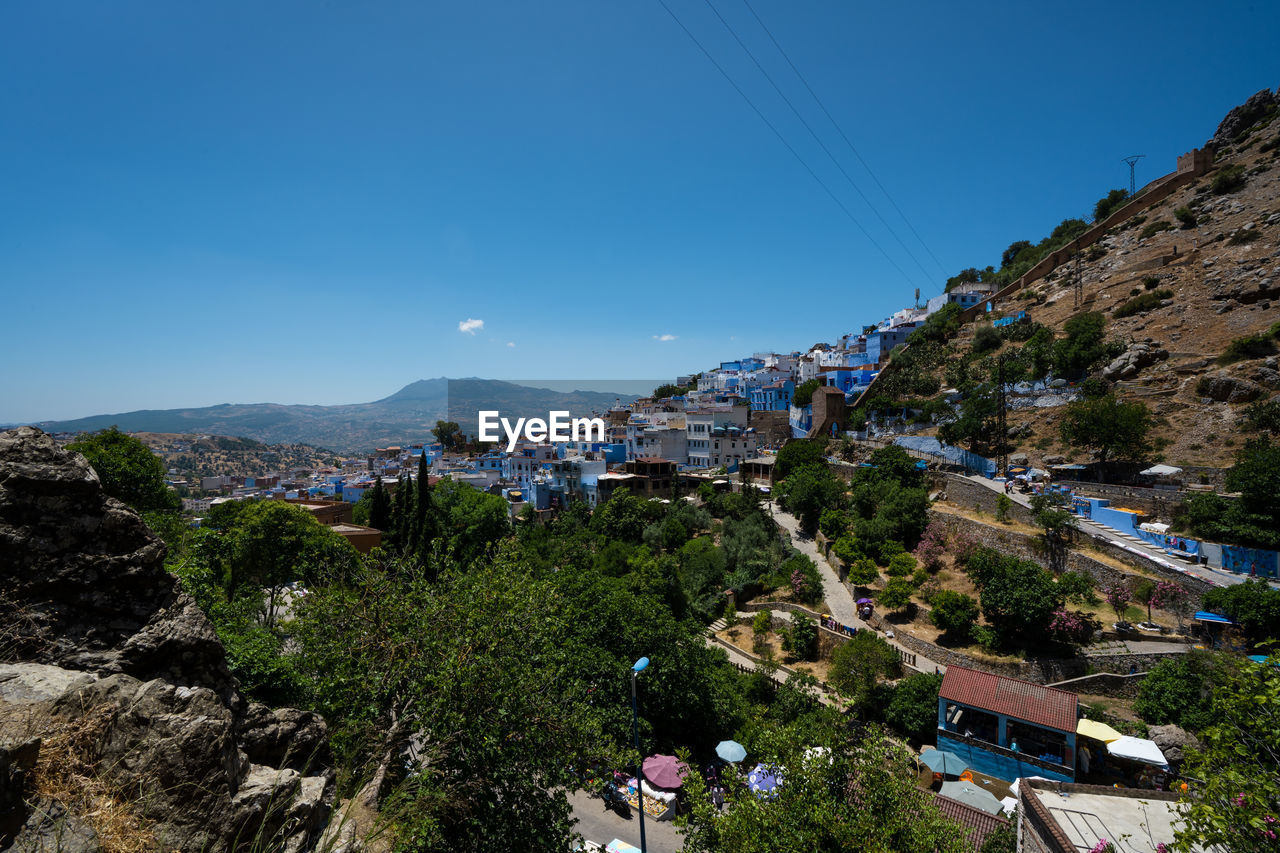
column 1172, row 740
column 114, row 682
column 1225, row 388
column 1133, row 360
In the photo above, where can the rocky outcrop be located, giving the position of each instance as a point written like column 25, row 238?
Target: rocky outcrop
column 110, row 670
column 1245, row 116
column 1224, row 388
column 1173, row 741
column 1133, row 360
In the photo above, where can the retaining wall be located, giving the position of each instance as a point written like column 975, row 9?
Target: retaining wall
column 1104, row 684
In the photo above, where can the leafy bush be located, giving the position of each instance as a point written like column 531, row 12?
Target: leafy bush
column 1248, row 346
column 1155, row 228
column 913, row 710
column 864, row 572
column 1150, row 282
column 954, row 613
column 802, row 637
column 986, row 339
column 1185, row 217
column 804, row 393
column 1147, row 301
column 1244, row 236
column 900, row 565
column 896, row 594
column 1109, row 203
column 1228, row 180
column 833, row 523
column 1178, row 690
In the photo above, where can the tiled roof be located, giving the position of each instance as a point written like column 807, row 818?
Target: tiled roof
column 1044, row 706
column 979, row 822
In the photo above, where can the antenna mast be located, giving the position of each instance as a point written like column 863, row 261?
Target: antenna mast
column 1132, row 161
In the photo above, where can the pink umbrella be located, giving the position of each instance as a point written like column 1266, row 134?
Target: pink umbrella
column 665, row 771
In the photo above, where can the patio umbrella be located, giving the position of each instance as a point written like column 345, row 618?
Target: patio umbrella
column 972, row 795
column 764, row 780
column 1137, row 749
column 864, row 601
column 944, row 762
column 665, row 771
column 617, row 845
column 731, row 751
column 1097, row 730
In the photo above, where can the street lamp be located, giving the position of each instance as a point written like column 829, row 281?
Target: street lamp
column 637, row 668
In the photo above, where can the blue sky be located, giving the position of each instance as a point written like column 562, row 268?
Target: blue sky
column 304, row 202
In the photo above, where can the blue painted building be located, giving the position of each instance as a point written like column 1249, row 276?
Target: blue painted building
column 1007, row 728
column 774, row 397
column 882, row 341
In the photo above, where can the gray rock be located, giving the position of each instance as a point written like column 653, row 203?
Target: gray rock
column 1019, row 459
column 1055, row 460
column 1227, row 389
column 1172, row 740
column 107, row 643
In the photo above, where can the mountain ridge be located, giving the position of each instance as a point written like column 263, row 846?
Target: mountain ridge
column 405, row 416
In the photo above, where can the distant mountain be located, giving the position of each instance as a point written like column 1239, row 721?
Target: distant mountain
column 404, row 417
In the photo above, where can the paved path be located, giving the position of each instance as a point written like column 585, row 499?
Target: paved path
column 1131, row 543
column 838, row 596
column 602, row 826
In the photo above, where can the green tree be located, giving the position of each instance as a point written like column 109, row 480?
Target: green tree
column 954, row 613
column 1108, row 203
column 864, row 572
column 1050, row 511
column 449, row 434
column 913, row 710
column 795, row 454
column 859, row 663
column 1232, row 802
column 802, row 637
column 379, row 506
column 1107, row 427
column 900, row 565
column 127, row 469
column 806, row 492
column 861, row 796
column 896, row 594
column 1253, row 605
column 1179, row 690
column 1083, row 346
column 803, row 395
column 1018, row 597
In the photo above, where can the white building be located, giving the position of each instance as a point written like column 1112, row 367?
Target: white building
column 719, row 436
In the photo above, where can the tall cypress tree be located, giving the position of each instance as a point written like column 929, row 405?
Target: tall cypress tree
column 380, row 507
column 401, row 514
column 424, row 510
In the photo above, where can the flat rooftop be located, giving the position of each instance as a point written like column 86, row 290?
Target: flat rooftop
column 1086, row 817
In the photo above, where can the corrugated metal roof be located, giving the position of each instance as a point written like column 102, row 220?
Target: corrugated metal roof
column 1035, row 703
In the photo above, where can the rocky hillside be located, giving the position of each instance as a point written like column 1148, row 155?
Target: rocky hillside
column 121, row 727
column 1205, row 266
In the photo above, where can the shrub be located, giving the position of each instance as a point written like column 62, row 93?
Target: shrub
column 901, row 565
column 1147, row 301
column 833, row 523
column 1248, row 346
column 802, row 637
column 1156, row 227
column 986, row 339
column 1151, row 282
column 761, row 623
column 847, row 550
column 864, row 572
column 1185, row 217
column 1243, row 237
column 1228, row 180
column 896, row 594
column 1095, row 252
column 1003, row 505
column 1109, row 203
column 1070, row 626
column 954, row 613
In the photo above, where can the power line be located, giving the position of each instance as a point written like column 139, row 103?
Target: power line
column 816, row 138
column 844, row 136
column 783, row 140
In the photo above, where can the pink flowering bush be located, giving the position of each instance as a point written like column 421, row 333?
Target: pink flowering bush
column 933, row 544
column 1070, row 627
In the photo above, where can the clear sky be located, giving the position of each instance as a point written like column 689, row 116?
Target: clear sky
column 319, row 202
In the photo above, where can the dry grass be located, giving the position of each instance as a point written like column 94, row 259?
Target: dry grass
column 743, row 638
column 66, row 772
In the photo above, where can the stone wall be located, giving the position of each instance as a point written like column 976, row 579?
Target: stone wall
column 962, row 491
column 1104, row 684
column 968, row 494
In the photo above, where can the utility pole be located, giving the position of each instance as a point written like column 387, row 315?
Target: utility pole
column 1002, row 430
column 1132, row 161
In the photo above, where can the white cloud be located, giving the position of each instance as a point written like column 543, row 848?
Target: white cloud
column 511, row 343
column 664, row 337
column 470, row 326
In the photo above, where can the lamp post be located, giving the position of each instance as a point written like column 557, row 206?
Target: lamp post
column 637, row 668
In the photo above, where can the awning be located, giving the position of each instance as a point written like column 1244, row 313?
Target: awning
column 617, row 845
column 1097, row 731
column 1218, row 618
column 1074, row 466
column 1154, row 527
column 1137, row 749
column 1160, row 471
